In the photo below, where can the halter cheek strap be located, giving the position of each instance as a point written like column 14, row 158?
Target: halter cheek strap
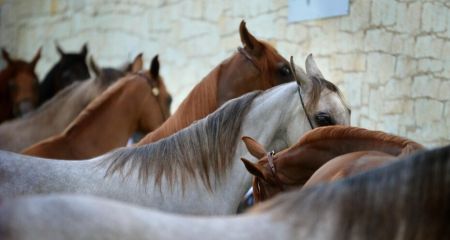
column 155, row 92
column 270, row 156
column 292, row 66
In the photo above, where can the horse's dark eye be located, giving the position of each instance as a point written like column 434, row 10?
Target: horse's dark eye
column 324, row 119
column 285, row 71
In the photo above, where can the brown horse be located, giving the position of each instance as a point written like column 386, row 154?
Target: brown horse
column 56, row 114
column 349, row 164
column 293, row 167
column 19, row 93
column 136, row 102
column 255, row 66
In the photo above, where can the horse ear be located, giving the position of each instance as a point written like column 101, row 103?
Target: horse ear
column 311, row 68
column 84, row 50
column 5, row 55
column 154, row 67
column 36, row 58
column 59, row 49
column 251, row 44
column 137, row 64
column 255, row 149
column 254, row 168
column 93, row 65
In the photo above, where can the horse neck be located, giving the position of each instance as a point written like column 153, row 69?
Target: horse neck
column 101, row 116
column 271, row 133
column 201, row 101
column 5, row 100
column 51, row 118
column 46, row 88
column 316, row 153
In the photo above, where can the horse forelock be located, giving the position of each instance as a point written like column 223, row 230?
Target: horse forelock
column 205, row 147
column 407, row 199
column 346, row 132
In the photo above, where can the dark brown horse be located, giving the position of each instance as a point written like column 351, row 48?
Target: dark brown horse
column 70, row 67
column 292, row 167
column 137, row 102
column 255, row 66
column 18, row 87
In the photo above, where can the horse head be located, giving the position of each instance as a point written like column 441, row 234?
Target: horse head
column 323, row 154
column 72, row 67
column 22, row 83
column 158, row 108
column 256, row 65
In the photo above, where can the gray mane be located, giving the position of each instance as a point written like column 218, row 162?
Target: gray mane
column 205, row 146
column 409, row 199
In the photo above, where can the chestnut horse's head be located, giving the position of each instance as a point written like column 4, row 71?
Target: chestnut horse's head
column 256, row 66
column 161, row 99
column 21, row 83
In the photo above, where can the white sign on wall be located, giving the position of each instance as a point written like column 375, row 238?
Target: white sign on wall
column 302, row 10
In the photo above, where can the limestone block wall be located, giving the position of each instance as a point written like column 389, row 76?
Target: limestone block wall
column 390, row 57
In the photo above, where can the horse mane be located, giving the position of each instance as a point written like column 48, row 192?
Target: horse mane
column 205, row 146
column 343, row 132
column 186, row 114
column 388, row 198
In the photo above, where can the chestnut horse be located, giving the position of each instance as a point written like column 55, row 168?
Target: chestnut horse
column 138, row 102
column 408, row 199
column 256, row 66
column 70, row 67
column 18, row 87
column 292, row 167
column 196, row 170
column 349, row 164
column 56, row 114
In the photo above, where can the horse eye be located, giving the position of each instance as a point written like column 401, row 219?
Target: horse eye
column 324, row 119
column 285, row 71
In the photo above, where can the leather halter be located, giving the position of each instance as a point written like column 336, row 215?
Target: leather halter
column 292, row 66
column 155, row 92
column 248, row 57
column 271, row 154
column 273, row 170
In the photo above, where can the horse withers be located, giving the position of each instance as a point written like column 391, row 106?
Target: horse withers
column 19, row 83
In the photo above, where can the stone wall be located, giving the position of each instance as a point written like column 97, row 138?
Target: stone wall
column 391, row 57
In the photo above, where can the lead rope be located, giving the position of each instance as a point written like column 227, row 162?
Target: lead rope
column 292, row 66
